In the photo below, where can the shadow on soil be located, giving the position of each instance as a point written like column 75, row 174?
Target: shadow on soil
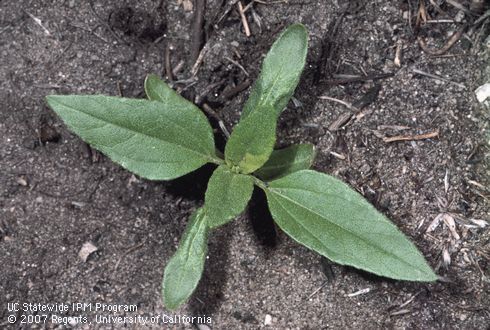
column 210, row 288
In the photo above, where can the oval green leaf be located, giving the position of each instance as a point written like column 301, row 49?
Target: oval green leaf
column 280, row 72
column 157, row 90
column 184, row 270
column 252, row 140
column 288, row 160
column 327, row 216
column 227, row 195
column 154, row 140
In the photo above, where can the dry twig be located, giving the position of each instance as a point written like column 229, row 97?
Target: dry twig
column 452, row 40
column 197, row 32
column 347, row 80
column 244, row 19
column 200, row 58
column 237, row 64
column 411, row 137
column 168, row 67
column 398, row 53
column 433, row 76
column 39, row 22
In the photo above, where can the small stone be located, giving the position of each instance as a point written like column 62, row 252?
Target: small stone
column 483, row 92
column 268, row 319
column 87, row 249
column 459, row 16
column 21, row 180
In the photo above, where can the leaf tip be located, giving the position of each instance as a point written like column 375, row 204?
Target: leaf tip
column 299, row 29
column 150, row 77
column 53, row 100
column 170, row 300
column 50, row 98
column 431, row 276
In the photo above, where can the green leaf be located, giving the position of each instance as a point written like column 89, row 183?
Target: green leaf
column 288, row 160
column 149, row 138
column 327, row 216
column 280, row 71
column 157, row 90
column 227, row 195
column 184, row 270
column 252, row 140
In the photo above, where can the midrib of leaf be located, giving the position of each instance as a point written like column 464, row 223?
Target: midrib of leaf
column 263, row 101
column 196, row 141
column 207, row 156
column 227, row 189
column 336, row 225
column 188, row 250
column 189, row 245
column 112, row 147
column 300, row 224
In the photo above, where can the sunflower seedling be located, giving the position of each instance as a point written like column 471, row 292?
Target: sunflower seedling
column 166, row 136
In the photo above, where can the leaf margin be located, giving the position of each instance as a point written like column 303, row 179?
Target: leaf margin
column 67, row 107
column 430, row 276
column 198, row 218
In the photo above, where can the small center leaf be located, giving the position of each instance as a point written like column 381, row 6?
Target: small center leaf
column 252, row 140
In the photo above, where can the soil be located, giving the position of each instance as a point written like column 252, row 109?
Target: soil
column 56, row 194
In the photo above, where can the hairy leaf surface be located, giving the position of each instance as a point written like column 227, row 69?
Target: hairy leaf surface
column 227, row 195
column 157, row 90
column 280, row 71
column 252, row 140
column 154, row 140
column 184, row 270
column 327, row 216
column 288, row 160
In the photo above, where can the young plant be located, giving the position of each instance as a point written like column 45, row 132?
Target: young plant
column 166, row 136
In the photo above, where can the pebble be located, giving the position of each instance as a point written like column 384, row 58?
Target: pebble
column 459, row 16
column 483, row 92
column 268, row 319
column 87, row 249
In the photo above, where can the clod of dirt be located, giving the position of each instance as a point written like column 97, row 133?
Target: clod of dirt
column 136, row 23
column 87, row 249
column 47, row 133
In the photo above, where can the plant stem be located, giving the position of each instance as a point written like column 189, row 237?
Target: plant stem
column 259, row 183
column 216, row 160
column 219, row 154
